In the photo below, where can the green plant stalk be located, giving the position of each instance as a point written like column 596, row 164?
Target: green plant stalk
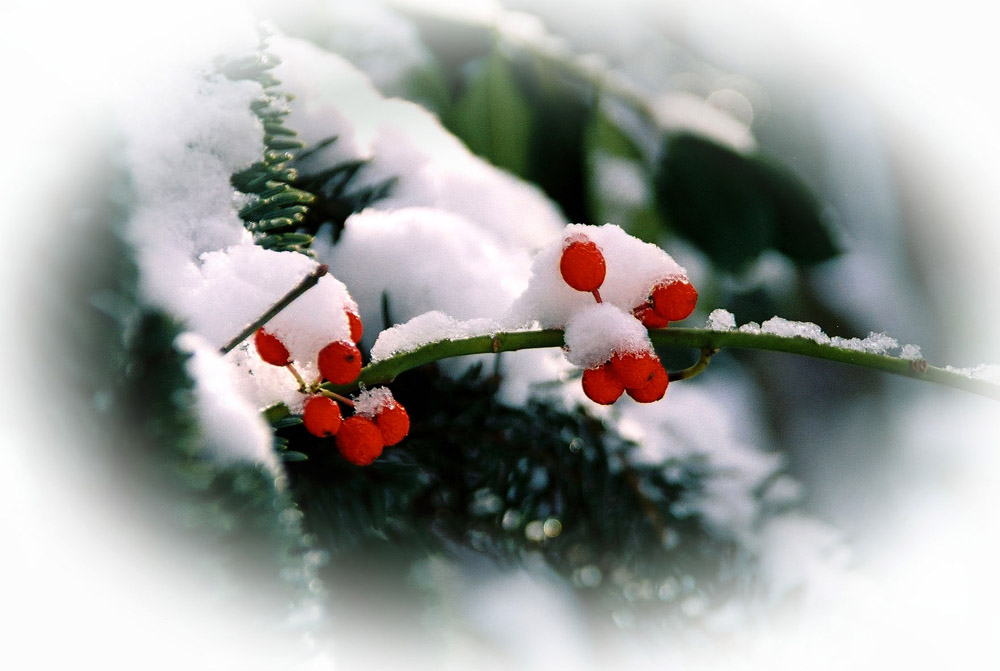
column 386, row 370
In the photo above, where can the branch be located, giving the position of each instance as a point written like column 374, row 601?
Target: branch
column 308, row 282
column 386, row 370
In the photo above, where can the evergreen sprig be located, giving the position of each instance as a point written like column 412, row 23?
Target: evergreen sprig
column 512, row 484
column 277, row 208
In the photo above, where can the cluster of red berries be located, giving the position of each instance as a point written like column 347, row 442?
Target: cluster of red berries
column 640, row 374
column 361, row 437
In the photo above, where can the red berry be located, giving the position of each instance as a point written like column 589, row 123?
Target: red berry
column 354, row 320
column 652, row 390
column 271, row 349
column 674, row 299
column 582, row 265
column 359, row 440
column 393, row 422
column 340, row 362
column 601, row 385
column 635, row 369
column 647, row 315
column 321, row 416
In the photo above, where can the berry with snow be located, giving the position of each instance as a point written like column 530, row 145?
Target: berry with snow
column 340, row 362
column 321, row 415
column 654, row 389
column 393, row 422
column 648, row 316
column 270, row 348
column 354, row 320
column 582, row 264
column 674, row 299
column 359, row 440
column 634, row 369
column 601, row 385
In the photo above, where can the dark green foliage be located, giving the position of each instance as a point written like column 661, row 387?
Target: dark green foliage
column 735, row 206
column 276, row 214
column 337, row 193
column 530, row 118
column 493, row 117
column 474, row 474
column 229, row 528
column 290, row 205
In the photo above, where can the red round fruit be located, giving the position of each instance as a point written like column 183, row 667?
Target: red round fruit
column 674, row 299
column 271, row 349
column 634, row 369
column 340, row 362
column 321, row 416
column 652, row 390
column 357, row 329
column 601, row 385
column 359, row 440
column 647, row 315
column 393, row 422
column 582, row 265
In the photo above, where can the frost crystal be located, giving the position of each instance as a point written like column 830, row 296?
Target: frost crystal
column 372, row 401
column 721, row 320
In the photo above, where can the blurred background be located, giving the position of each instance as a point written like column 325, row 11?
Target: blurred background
column 882, row 109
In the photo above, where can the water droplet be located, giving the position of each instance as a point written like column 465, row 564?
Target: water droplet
column 552, row 527
column 668, row 590
column 511, row 520
column 485, row 503
column 533, row 531
column 588, row 576
column 671, row 538
column 623, row 618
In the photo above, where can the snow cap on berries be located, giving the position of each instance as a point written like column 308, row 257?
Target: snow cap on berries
column 241, row 282
column 601, row 330
column 633, row 268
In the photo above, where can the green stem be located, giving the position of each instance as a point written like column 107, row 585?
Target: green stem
column 386, row 370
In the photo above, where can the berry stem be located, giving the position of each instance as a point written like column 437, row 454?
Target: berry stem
column 386, row 370
column 597, row 295
column 307, row 282
column 701, row 364
column 336, row 397
column 298, row 378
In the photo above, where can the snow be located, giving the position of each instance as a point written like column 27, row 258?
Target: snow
column 595, row 333
column 721, row 320
column 408, row 144
column 422, row 259
column 370, row 402
column 686, row 112
column 233, row 429
column 985, row 372
column 874, row 343
column 427, row 328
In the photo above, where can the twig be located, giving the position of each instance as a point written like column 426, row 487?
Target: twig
column 308, row 282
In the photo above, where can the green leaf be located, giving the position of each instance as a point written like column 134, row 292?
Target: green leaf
column 493, row 117
column 603, row 140
column 712, row 196
column 735, row 206
column 604, row 135
column 802, row 233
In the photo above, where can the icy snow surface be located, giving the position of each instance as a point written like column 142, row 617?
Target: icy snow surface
column 874, row 343
column 430, row 327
